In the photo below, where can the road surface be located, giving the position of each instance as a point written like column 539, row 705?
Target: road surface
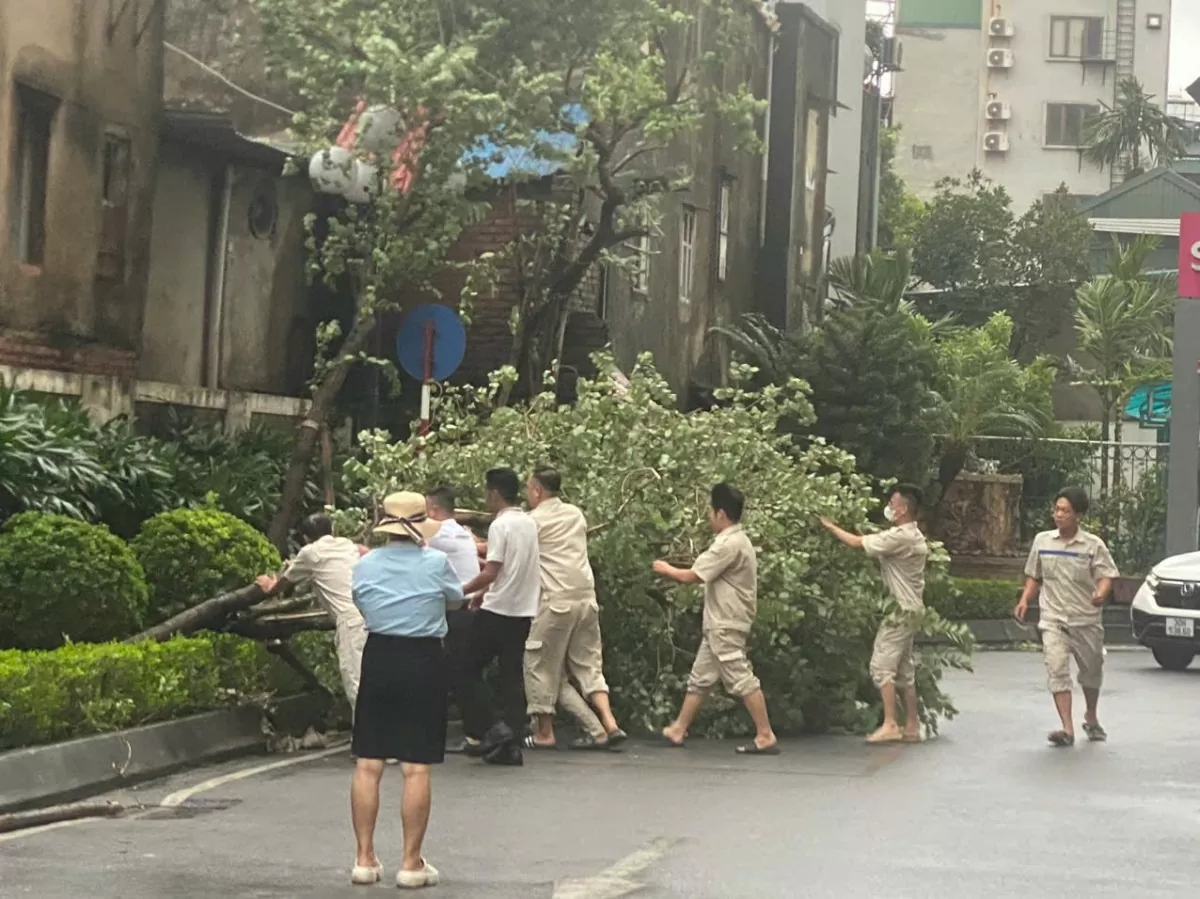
column 985, row 811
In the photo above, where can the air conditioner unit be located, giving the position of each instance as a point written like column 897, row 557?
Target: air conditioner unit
column 995, row 142
column 998, row 27
column 998, row 111
column 893, row 53
column 1000, row 58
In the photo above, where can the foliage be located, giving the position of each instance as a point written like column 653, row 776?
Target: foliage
column 983, row 259
column 971, row 599
column 640, row 470
column 81, row 689
column 985, row 391
column 1118, row 135
column 318, row 651
column 900, row 211
column 65, row 579
column 1141, row 542
column 191, row 555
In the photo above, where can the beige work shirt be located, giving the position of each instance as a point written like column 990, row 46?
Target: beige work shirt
column 1068, row 571
column 729, row 571
column 327, row 565
column 563, row 551
column 902, row 553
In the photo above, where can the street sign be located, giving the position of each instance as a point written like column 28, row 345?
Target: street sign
column 430, row 346
column 1189, row 255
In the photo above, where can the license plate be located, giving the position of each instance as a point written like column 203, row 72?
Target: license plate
column 1181, row 627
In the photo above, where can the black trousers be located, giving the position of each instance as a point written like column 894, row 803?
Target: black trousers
column 499, row 638
column 456, row 643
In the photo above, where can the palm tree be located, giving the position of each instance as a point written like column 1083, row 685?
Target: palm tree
column 1123, row 325
column 1117, row 136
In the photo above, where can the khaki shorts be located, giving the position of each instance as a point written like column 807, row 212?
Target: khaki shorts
column 722, row 657
column 351, row 638
column 564, row 642
column 892, row 659
column 1086, row 644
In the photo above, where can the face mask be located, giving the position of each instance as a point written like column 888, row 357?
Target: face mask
column 889, row 513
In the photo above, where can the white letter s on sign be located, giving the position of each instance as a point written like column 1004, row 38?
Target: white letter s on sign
column 1196, row 256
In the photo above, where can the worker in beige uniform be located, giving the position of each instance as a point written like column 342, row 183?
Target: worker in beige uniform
column 1071, row 572
column 564, row 642
column 327, row 562
column 728, row 569
column 902, row 552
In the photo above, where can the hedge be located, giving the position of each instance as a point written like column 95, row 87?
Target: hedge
column 82, row 689
column 970, row 599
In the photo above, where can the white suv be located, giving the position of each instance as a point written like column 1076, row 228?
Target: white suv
column 1166, row 611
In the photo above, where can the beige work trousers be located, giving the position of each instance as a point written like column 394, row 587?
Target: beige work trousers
column 564, row 645
column 892, row 658
column 722, row 657
column 350, row 639
column 1085, row 644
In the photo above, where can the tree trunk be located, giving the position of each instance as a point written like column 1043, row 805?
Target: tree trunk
column 1105, row 437
column 291, row 501
column 281, row 627
column 954, row 458
column 54, row 814
column 210, row 612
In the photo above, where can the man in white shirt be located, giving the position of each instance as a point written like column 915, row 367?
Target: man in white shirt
column 512, row 579
column 326, row 562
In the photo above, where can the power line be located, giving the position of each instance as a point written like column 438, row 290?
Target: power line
column 241, row 90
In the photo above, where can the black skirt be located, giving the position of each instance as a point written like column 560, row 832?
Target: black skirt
column 401, row 708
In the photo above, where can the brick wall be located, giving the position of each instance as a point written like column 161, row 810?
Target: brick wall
column 26, row 352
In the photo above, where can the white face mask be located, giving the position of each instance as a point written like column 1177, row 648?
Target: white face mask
column 889, row 513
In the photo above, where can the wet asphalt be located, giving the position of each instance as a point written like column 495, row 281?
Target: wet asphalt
column 985, row 810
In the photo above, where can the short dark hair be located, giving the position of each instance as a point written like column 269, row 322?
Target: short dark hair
column 550, row 480
column 729, row 500
column 505, row 482
column 443, row 497
column 314, row 527
column 912, row 495
column 1077, row 497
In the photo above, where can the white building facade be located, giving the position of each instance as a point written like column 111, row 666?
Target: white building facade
column 1005, row 87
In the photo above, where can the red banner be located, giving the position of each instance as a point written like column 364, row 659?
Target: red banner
column 1189, row 255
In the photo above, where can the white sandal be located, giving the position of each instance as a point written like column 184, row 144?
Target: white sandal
column 367, row 875
column 413, row 880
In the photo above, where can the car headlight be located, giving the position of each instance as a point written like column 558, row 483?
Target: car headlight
column 1151, row 581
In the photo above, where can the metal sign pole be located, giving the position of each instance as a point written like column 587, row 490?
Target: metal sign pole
column 1183, row 473
column 427, row 381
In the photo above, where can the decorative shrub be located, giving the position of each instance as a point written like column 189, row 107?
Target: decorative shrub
column 65, row 579
column 969, row 599
column 83, row 689
column 641, row 471
column 191, row 555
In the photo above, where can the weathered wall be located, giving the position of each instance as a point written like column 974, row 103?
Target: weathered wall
column 105, row 74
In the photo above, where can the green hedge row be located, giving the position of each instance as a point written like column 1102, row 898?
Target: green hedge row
column 82, row 689
column 969, row 599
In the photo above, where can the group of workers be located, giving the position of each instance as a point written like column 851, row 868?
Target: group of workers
column 422, row 617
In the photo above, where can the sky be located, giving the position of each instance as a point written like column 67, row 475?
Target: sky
column 1185, row 39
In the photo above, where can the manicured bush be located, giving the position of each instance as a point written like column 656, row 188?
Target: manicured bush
column 641, row 471
column 82, row 689
column 61, row 578
column 191, row 555
column 970, row 599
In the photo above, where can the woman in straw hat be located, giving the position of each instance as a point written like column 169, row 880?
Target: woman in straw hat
column 403, row 590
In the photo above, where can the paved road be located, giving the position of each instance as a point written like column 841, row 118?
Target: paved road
column 986, row 811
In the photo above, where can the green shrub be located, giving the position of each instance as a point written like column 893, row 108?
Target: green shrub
column 63, row 578
column 83, row 689
column 970, row 599
column 191, row 555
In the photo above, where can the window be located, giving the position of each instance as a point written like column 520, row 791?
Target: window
column 723, row 203
column 922, row 151
column 1064, row 123
column 35, row 116
column 641, row 265
column 1069, row 201
column 110, row 259
column 603, row 294
column 687, row 254
column 1076, row 37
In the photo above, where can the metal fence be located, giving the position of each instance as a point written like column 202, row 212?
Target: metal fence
column 1126, row 483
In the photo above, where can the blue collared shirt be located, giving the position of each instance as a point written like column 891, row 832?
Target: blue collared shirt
column 402, row 590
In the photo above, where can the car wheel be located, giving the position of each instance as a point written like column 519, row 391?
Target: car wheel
column 1174, row 658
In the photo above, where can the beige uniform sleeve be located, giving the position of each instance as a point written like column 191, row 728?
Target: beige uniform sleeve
column 1033, row 565
column 885, row 543
column 302, row 568
column 714, row 561
column 1102, row 563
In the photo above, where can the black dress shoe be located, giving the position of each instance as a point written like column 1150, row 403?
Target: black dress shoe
column 467, row 748
column 499, row 734
column 508, row 754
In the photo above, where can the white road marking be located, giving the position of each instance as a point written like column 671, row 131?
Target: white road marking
column 615, row 881
column 176, row 799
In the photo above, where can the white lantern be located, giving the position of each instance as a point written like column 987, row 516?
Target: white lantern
column 380, row 129
column 332, row 171
column 365, row 185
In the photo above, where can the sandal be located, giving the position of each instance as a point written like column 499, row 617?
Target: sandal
column 616, row 738
column 1095, row 733
column 588, row 743
column 1060, row 739
column 755, row 749
column 530, row 743
column 667, row 742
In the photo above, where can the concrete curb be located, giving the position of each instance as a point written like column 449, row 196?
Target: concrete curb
column 76, row 769
column 1008, row 631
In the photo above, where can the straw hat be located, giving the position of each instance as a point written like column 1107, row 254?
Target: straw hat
column 404, row 516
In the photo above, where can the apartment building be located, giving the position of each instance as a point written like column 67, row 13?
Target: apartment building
column 1006, row 85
